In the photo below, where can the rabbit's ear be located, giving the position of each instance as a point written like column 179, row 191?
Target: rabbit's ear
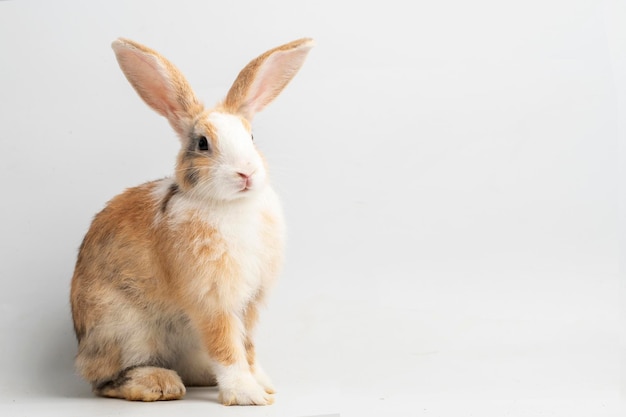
column 158, row 82
column 265, row 77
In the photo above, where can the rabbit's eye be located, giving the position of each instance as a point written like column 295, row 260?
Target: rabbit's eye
column 252, row 137
column 203, row 144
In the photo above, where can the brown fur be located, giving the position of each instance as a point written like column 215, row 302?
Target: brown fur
column 219, row 337
column 251, row 316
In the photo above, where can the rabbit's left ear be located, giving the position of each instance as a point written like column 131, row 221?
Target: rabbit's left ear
column 260, row 82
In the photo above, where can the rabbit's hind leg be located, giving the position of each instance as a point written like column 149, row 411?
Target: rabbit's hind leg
column 132, row 359
column 143, row 383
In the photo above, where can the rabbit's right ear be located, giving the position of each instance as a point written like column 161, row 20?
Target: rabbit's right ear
column 158, row 82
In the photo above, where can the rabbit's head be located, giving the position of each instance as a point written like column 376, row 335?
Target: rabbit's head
column 218, row 159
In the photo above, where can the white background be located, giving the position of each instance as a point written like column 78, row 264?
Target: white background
column 450, row 173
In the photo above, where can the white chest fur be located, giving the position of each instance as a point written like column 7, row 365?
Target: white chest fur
column 237, row 232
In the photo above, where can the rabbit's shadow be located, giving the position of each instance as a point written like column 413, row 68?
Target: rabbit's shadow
column 55, row 366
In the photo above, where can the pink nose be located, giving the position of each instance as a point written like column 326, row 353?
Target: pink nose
column 245, row 178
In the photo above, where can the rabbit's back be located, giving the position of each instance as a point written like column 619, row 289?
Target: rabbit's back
column 116, row 262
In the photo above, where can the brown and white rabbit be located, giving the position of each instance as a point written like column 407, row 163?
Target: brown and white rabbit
column 170, row 275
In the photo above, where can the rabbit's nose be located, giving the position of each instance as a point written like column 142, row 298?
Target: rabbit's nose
column 245, row 179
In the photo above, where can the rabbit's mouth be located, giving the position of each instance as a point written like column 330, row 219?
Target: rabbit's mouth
column 244, row 188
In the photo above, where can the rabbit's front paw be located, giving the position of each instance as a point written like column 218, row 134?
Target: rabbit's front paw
column 245, row 392
column 264, row 380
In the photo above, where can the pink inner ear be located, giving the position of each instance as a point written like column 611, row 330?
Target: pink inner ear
column 261, row 88
column 148, row 78
column 273, row 75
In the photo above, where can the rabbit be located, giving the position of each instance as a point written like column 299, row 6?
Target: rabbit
column 171, row 274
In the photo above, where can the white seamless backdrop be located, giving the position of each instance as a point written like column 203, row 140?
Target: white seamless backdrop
column 450, row 172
